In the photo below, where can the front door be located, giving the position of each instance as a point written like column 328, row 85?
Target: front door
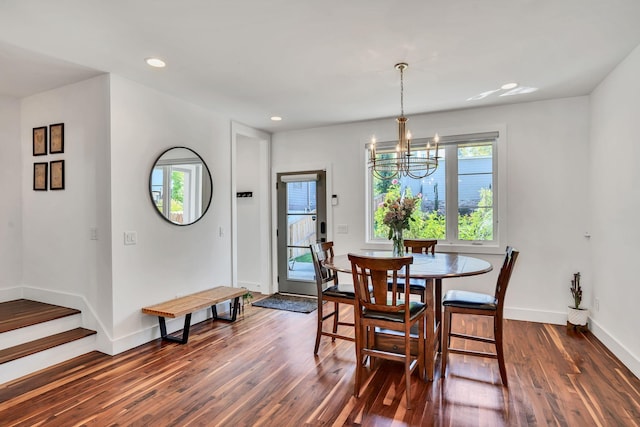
column 301, row 222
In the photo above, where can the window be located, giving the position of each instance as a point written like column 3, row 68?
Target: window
column 459, row 200
column 177, row 189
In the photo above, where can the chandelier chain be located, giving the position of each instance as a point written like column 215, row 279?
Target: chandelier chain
column 402, row 91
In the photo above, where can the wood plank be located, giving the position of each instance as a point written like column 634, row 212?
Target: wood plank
column 22, row 312
column 32, row 347
column 221, row 294
column 262, row 372
column 194, row 302
column 177, row 307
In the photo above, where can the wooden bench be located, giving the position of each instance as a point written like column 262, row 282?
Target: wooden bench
column 186, row 305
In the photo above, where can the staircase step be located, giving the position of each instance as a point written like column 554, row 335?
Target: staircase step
column 42, row 344
column 22, row 312
column 40, row 330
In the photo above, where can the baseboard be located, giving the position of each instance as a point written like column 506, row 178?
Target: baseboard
column 152, row 330
column 538, row 316
column 630, row 360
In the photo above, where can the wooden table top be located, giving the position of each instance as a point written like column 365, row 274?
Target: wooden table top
column 425, row 266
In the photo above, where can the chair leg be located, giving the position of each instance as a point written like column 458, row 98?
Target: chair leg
column 429, row 350
column 407, row 362
column 368, row 343
column 336, row 318
column 319, row 327
column 359, row 337
column 446, row 330
column 422, row 354
column 497, row 330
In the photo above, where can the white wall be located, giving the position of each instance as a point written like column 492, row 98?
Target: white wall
column 251, row 232
column 168, row 260
column 59, row 259
column 11, row 200
column 248, row 212
column 614, row 205
column 546, row 146
column 114, row 131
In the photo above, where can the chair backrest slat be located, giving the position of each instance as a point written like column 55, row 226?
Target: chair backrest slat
column 325, row 277
column 371, row 278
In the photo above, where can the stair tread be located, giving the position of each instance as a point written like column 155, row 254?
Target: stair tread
column 23, row 312
column 26, row 349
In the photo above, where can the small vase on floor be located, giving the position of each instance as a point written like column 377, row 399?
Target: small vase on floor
column 577, row 316
column 398, row 242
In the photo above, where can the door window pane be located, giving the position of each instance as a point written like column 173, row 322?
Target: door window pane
column 301, row 229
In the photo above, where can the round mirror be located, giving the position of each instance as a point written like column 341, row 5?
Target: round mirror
column 180, row 186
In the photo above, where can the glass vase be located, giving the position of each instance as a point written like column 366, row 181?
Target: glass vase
column 398, row 242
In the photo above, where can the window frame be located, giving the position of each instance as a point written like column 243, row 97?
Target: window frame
column 450, row 141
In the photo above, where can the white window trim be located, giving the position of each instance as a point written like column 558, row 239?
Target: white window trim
column 499, row 199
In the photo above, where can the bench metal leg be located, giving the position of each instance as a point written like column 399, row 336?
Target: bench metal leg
column 185, row 330
column 234, row 311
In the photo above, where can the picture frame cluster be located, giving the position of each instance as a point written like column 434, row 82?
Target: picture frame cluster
column 48, row 175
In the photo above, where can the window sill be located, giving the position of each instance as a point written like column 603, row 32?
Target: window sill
column 489, row 249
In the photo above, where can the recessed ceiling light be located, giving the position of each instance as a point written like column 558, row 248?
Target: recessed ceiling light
column 155, row 62
column 508, row 86
column 276, row 118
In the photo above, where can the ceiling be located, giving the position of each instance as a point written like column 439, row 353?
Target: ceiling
column 317, row 63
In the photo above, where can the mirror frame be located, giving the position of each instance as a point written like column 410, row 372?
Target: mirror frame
column 207, row 174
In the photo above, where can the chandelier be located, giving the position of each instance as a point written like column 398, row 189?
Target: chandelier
column 423, row 161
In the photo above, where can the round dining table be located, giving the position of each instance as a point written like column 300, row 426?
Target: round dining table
column 432, row 268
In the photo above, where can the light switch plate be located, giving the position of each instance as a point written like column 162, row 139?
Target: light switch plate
column 130, row 238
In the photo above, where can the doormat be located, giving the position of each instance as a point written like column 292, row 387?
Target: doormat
column 288, row 302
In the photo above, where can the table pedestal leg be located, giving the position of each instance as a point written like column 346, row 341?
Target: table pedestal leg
column 433, row 299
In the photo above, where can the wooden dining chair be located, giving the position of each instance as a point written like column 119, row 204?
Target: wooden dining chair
column 417, row 246
column 329, row 290
column 420, row 246
column 465, row 302
column 377, row 307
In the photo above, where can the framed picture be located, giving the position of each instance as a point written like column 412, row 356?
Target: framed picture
column 40, row 141
column 56, row 175
column 56, row 138
column 40, row 176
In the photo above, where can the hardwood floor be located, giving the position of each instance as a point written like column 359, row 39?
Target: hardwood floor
column 260, row 371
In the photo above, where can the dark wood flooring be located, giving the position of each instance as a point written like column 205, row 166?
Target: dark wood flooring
column 260, row 371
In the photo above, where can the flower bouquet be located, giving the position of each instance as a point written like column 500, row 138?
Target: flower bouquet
column 397, row 217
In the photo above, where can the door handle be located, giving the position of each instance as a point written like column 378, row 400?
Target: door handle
column 323, row 228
